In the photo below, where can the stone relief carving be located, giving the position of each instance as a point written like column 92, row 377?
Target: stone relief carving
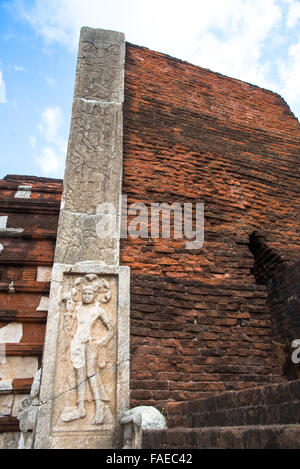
column 91, row 157
column 100, row 76
column 84, row 346
column 80, row 239
column 86, row 361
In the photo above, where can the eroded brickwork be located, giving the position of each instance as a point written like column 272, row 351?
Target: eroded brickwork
column 200, row 320
column 284, row 301
column 260, row 418
column 29, row 209
column 200, row 323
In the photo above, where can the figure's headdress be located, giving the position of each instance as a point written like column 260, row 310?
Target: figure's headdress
column 100, row 286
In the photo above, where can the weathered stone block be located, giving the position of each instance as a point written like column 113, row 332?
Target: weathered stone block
column 85, row 386
column 100, row 68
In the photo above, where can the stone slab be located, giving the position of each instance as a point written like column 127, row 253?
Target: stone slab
column 58, row 424
column 85, row 376
column 100, row 67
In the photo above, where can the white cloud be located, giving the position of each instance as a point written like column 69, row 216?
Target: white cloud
column 235, row 37
column 51, row 161
column 60, row 20
column 226, row 36
column 51, row 146
column 290, row 73
column 164, row 24
column 52, row 120
column 18, row 68
column 293, row 14
column 2, row 89
column 32, row 141
column 234, row 45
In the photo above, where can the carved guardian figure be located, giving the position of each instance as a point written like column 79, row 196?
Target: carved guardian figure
column 86, row 349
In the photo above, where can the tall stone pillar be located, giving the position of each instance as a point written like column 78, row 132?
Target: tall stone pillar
column 85, row 376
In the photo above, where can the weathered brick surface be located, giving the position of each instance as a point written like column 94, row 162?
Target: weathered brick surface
column 261, row 418
column 283, row 287
column 248, row 437
column 200, row 323
column 277, row 404
column 284, row 301
column 190, row 338
column 200, row 320
column 21, row 255
column 9, row 424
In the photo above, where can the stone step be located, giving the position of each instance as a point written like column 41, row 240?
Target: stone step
column 237, row 437
column 276, row 404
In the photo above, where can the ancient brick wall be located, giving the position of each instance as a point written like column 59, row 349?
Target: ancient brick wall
column 284, row 301
column 29, row 209
column 283, row 286
column 260, row 418
column 199, row 321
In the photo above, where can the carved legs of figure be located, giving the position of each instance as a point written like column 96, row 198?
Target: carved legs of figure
column 74, row 413
column 98, row 391
column 88, row 373
column 81, row 387
column 99, row 411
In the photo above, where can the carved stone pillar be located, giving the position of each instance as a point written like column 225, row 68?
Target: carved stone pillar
column 85, row 376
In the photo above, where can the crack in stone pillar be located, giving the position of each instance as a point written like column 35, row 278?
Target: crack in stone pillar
column 85, row 377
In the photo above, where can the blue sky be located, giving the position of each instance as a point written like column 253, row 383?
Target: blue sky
column 257, row 41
